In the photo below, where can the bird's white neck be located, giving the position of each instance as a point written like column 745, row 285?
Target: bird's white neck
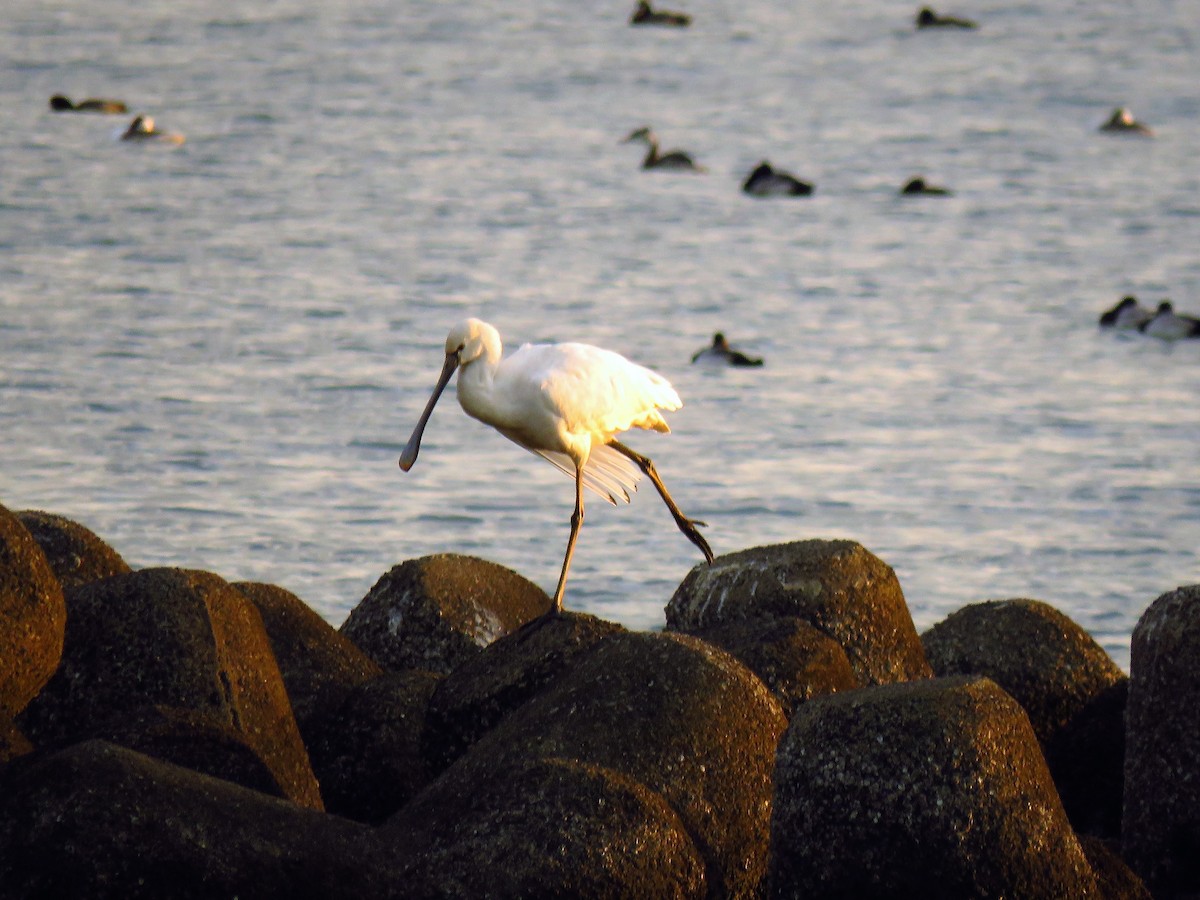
column 477, row 392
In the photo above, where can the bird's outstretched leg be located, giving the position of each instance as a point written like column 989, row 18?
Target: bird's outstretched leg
column 576, row 524
column 686, row 525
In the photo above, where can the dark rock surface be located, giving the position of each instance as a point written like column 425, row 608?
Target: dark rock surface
column 13, row 742
column 1045, row 661
column 1117, row 881
column 569, row 757
column 838, row 587
column 477, row 695
column 318, row 665
column 179, row 639
column 793, row 659
column 548, row 827
column 75, row 553
column 100, row 821
column 366, row 750
column 671, row 712
column 1087, row 759
column 1068, row 685
column 436, row 612
column 32, row 616
column 194, row 740
column 1161, row 827
column 935, row 789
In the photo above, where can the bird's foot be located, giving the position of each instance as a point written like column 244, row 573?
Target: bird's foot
column 537, row 623
column 691, row 531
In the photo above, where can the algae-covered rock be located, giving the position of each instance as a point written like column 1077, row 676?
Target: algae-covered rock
column 935, row 788
column 32, row 616
column 436, row 612
column 173, row 638
column 838, row 587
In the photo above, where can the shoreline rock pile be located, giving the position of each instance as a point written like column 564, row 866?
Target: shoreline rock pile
column 164, row 732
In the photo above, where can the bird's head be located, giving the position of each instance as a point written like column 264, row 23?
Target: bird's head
column 467, row 341
column 645, row 135
column 470, row 339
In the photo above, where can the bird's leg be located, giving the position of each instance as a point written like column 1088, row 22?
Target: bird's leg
column 686, row 525
column 576, row 524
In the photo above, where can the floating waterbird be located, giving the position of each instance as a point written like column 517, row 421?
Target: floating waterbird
column 919, row 186
column 720, row 352
column 1122, row 122
column 142, row 129
column 59, row 103
column 644, row 14
column 764, row 181
column 927, row 18
column 1128, row 314
column 675, row 160
column 566, row 403
column 1168, row 325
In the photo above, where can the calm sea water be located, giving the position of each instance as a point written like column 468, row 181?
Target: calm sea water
column 212, row 355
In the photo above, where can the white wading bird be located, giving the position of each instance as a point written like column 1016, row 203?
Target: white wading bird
column 566, row 403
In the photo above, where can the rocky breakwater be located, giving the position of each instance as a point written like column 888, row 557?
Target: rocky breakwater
column 164, row 732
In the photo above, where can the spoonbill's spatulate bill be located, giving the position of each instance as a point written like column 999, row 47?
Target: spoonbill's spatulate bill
column 566, row 403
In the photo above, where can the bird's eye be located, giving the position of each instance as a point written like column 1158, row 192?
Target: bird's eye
column 461, row 347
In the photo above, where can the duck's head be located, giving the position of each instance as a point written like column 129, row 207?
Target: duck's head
column 59, row 103
column 645, row 135
column 141, row 125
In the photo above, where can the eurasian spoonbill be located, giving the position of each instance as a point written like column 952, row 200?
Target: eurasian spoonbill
column 566, row 403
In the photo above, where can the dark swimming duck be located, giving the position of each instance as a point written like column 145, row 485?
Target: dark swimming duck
column 59, row 103
column 1128, row 314
column 927, row 18
column 767, row 182
column 721, row 352
column 1122, row 122
column 675, row 160
column 142, row 129
column 644, row 14
column 918, row 186
column 1168, row 325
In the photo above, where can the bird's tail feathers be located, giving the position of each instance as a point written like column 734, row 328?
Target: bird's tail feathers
column 608, row 473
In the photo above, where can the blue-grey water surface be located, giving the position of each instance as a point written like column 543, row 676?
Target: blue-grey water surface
column 213, row 354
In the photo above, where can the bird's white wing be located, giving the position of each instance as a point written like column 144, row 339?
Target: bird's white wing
column 584, row 390
column 601, row 392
